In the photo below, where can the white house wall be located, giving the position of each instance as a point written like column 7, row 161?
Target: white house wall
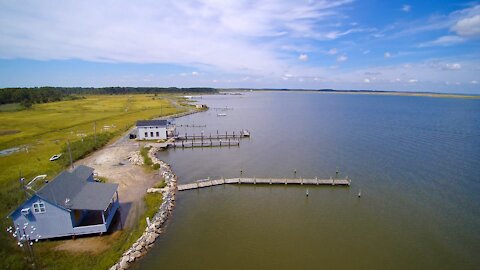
column 159, row 133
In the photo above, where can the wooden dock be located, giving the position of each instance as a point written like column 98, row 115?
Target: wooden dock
column 191, row 126
column 205, row 143
column 265, row 181
column 217, row 136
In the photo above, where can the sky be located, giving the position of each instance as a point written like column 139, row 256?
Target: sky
column 392, row 45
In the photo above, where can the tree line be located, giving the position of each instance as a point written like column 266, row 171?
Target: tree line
column 29, row 96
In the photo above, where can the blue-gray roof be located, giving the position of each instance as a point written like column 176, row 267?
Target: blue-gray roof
column 83, row 171
column 148, row 123
column 71, row 190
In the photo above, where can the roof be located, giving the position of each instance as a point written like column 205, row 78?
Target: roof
column 71, row 190
column 83, row 171
column 147, row 123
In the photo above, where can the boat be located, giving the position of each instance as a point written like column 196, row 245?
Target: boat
column 245, row 133
column 360, row 193
column 306, row 193
column 222, row 114
column 55, row 157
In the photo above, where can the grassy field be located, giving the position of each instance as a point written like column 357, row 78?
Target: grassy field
column 43, row 131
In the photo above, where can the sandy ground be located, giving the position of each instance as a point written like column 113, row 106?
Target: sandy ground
column 111, row 162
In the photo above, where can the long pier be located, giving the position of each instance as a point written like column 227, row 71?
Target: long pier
column 205, row 143
column 191, row 125
column 217, row 136
column 268, row 181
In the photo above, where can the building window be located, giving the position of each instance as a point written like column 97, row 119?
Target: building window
column 39, row 207
column 158, row 134
column 151, row 134
column 146, row 134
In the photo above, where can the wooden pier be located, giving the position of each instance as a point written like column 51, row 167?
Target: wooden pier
column 205, row 143
column 265, row 181
column 191, row 126
column 217, row 136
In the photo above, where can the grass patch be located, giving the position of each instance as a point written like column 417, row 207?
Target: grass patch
column 44, row 130
column 146, row 159
column 101, row 179
column 12, row 107
column 160, row 184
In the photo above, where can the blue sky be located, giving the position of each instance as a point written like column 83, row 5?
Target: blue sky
column 344, row 44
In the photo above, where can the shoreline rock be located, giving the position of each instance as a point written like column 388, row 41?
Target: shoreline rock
column 158, row 222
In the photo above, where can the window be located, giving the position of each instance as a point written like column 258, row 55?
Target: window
column 39, row 207
column 146, row 134
column 151, row 134
column 158, row 134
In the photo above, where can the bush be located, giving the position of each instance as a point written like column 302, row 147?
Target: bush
column 156, row 166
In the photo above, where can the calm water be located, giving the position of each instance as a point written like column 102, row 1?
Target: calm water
column 416, row 160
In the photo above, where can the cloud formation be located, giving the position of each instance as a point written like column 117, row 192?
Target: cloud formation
column 224, row 35
column 303, row 57
column 406, row 8
column 271, row 43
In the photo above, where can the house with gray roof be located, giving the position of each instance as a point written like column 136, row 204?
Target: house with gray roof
column 154, row 129
column 71, row 204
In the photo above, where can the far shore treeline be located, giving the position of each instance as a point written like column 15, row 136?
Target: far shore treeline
column 29, row 96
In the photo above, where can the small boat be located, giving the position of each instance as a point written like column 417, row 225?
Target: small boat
column 306, row 193
column 360, row 193
column 245, row 133
column 55, row 157
column 222, row 114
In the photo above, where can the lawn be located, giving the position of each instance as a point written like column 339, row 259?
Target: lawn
column 43, row 131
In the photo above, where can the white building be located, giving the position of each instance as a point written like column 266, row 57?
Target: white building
column 152, row 129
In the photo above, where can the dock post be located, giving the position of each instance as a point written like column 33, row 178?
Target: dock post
column 316, row 180
column 254, row 180
column 301, row 181
column 270, row 181
column 223, row 180
column 239, row 180
column 285, row 181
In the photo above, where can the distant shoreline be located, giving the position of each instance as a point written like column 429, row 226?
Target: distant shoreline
column 361, row 92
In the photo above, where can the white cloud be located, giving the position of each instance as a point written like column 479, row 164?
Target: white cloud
column 185, row 33
column 303, row 57
column 406, row 8
column 468, row 26
column 337, row 34
column 366, row 52
column 443, row 41
column 451, row 66
column 195, row 73
column 387, row 55
column 413, row 81
column 474, row 82
column 332, row 51
column 342, row 58
column 366, row 80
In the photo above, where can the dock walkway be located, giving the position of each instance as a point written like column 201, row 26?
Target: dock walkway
column 269, row 181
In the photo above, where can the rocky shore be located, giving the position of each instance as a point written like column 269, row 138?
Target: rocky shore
column 156, row 225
